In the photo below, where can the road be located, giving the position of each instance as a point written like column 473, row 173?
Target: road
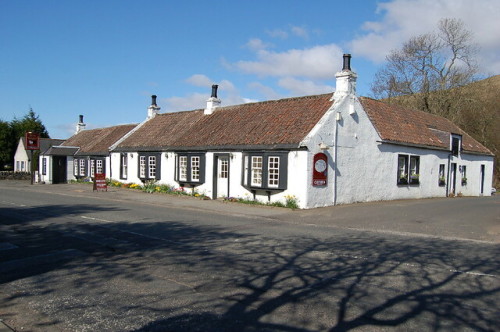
column 123, row 260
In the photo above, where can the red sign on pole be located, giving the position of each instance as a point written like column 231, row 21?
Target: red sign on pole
column 100, row 182
column 32, row 141
column 320, row 169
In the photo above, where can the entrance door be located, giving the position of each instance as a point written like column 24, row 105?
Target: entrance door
column 453, row 178
column 482, row 179
column 222, row 176
column 59, row 169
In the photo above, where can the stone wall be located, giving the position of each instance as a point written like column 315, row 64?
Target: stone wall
column 10, row 175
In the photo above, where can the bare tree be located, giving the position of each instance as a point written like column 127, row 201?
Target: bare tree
column 428, row 68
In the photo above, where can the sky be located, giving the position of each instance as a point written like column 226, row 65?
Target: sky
column 105, row 58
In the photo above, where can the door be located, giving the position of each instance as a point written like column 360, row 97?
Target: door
column 453, row 178
column 222, row 176
column 59, row 169
column 482, row 179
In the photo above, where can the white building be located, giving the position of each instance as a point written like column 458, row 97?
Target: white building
column 22, row 157
column 323, row 150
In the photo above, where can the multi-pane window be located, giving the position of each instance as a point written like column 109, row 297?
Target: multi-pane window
column 152, row 167
column 92, row 168
column 99, row 168
column 195, row 168
column 224, row 169
column 256, row 171
column 44, row 166
column 75, row 167
column 273, row 169
column 82, row 167
column 183, row 168
column 124, row 165
column 456, row 144
column 142, row 166
column 464, row 175
column 245, row 172
column 408, row 169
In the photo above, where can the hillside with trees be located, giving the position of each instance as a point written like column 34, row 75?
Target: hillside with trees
column 437, row 73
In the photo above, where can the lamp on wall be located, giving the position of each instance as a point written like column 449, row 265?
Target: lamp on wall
column 231, row 155
column 338, row 116
column 323, row 146
column 166, row 155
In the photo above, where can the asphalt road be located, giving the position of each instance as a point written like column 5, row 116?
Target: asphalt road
column 76, row 260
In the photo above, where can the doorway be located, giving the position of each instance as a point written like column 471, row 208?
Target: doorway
column 59, row 169
column 221, row 183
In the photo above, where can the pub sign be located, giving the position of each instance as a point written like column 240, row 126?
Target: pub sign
column 32, row 141
column 320, row 169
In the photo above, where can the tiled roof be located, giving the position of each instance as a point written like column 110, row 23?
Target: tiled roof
column 97, row 141
column 400, row 125
column 276, row 123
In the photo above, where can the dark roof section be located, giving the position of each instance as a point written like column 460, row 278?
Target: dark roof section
column 45, row 143
column 96, row 142
column 61, row 151
column 407, row 126
column 277, row 124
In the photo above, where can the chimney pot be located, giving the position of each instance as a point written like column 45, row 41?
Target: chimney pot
column 347, row 62
column 153, row 100
column 214, row 90
column 81, row 119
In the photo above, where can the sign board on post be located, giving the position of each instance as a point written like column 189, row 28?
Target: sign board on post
column 320, row 169
column 100, row 182
column 32, row 141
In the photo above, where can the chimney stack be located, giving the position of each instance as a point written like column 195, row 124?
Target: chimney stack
column 153, row 110
column 80, row 125
column 213, row 102
column 346, row 80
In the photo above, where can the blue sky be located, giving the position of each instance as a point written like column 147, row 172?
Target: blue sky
column 104, row 59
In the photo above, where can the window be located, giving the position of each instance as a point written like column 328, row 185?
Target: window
column 123, row 166
column 408, row 169
column 273, row 172
column 92, row 167
column 442, row 176
column 99, row 166
column 256, row 171
column 456, row 144
column 402, row 169
column 464, row 175
column 22, row 166
column 142, row 167
column 190, row 168
column 195, row 168
column 265, row 170
column 44, row 166
column 75, row 166
column 82, row 167
column 149, row 166
column 183, row 168
column 152, row 167
column 224, row 169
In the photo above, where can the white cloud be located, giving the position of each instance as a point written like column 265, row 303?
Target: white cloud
column 402, row 19
column 256, row 44
column 300, row 32
column 304, row 87
column 278, row 33
column 319, row 62
column 199, row 80
column 267, row 92
column 187, row 103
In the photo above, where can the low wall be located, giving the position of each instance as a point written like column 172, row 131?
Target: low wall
column 10, row 175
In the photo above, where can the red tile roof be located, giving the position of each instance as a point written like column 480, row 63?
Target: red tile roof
column 277, row 123
column 97, row 141
column 406, row 126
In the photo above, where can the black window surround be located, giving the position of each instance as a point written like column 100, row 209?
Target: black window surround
column 193, row 164
column 264, row 185
column 456, row 144
column 408, row 171
column 86, row 162
column 157, row 164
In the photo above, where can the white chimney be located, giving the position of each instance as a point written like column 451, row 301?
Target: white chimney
column 153, row 109
column 213, row 102
column 80, row 125
column 346, row 80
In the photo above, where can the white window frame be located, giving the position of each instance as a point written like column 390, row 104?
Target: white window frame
column 224, row 168
column 44, row 166
column 92, row 167
column 183, row 168
column 75, row 166
column 195, row 168
column 124, row 164
column 99, row 166
column 245, row 173
column 256, row 171
column 151, row 167
column 273, row 171
column 142, row 166
column 81, row 169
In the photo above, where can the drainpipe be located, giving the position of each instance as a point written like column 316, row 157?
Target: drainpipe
column 335, row 163
column 448, row 175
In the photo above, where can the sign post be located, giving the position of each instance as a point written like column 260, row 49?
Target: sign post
column 32, row 143
column 100, row 182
